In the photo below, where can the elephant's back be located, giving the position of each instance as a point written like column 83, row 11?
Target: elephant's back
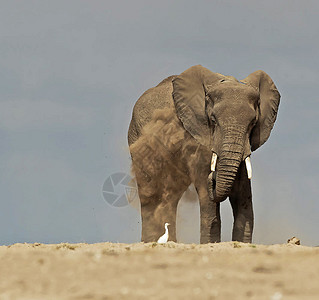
column 158, row 97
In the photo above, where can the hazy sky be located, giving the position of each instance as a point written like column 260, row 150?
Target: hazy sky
column 71, row 71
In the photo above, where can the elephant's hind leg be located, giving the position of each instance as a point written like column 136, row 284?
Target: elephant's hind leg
column 161, row 176
column 158, row 197
column 158, row 212
column 150, row 229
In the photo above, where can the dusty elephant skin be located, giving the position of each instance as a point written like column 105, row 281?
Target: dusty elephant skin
column 200, row 127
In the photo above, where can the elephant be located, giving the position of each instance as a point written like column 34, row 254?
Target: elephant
column 200, row 128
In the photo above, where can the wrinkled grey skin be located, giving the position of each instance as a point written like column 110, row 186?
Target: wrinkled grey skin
column 222, row 115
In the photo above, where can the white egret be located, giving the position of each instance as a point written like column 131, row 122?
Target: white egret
column 164, row 238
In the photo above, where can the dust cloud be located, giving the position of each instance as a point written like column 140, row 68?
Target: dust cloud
column 188, row 218
column 162, row 156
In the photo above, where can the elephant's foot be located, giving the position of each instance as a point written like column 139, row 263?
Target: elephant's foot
column 243, row 229
column 210, row 223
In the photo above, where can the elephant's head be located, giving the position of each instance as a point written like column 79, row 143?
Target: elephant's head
column 230, row 117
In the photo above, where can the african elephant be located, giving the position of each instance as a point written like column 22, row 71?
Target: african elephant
column 200, row 127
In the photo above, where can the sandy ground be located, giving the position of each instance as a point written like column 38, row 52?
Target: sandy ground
column 151, row 271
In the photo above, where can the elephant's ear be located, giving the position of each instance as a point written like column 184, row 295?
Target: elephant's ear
column 269, row 102
column 189, row 100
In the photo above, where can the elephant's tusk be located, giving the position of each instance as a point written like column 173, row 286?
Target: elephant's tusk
column 248, row 167
column 213, row 163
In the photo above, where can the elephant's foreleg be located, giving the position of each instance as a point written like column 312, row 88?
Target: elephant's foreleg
column 210, row 231
column 241, row 202
column 210, row 225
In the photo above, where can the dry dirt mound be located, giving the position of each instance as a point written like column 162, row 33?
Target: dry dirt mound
column 151, row 271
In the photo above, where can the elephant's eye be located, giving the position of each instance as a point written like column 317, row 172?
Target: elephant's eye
column 213, row 119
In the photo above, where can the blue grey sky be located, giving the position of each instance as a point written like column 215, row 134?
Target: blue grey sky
column 71, row 71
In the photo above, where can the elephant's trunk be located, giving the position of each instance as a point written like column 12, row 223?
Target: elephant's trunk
column 230, row 157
